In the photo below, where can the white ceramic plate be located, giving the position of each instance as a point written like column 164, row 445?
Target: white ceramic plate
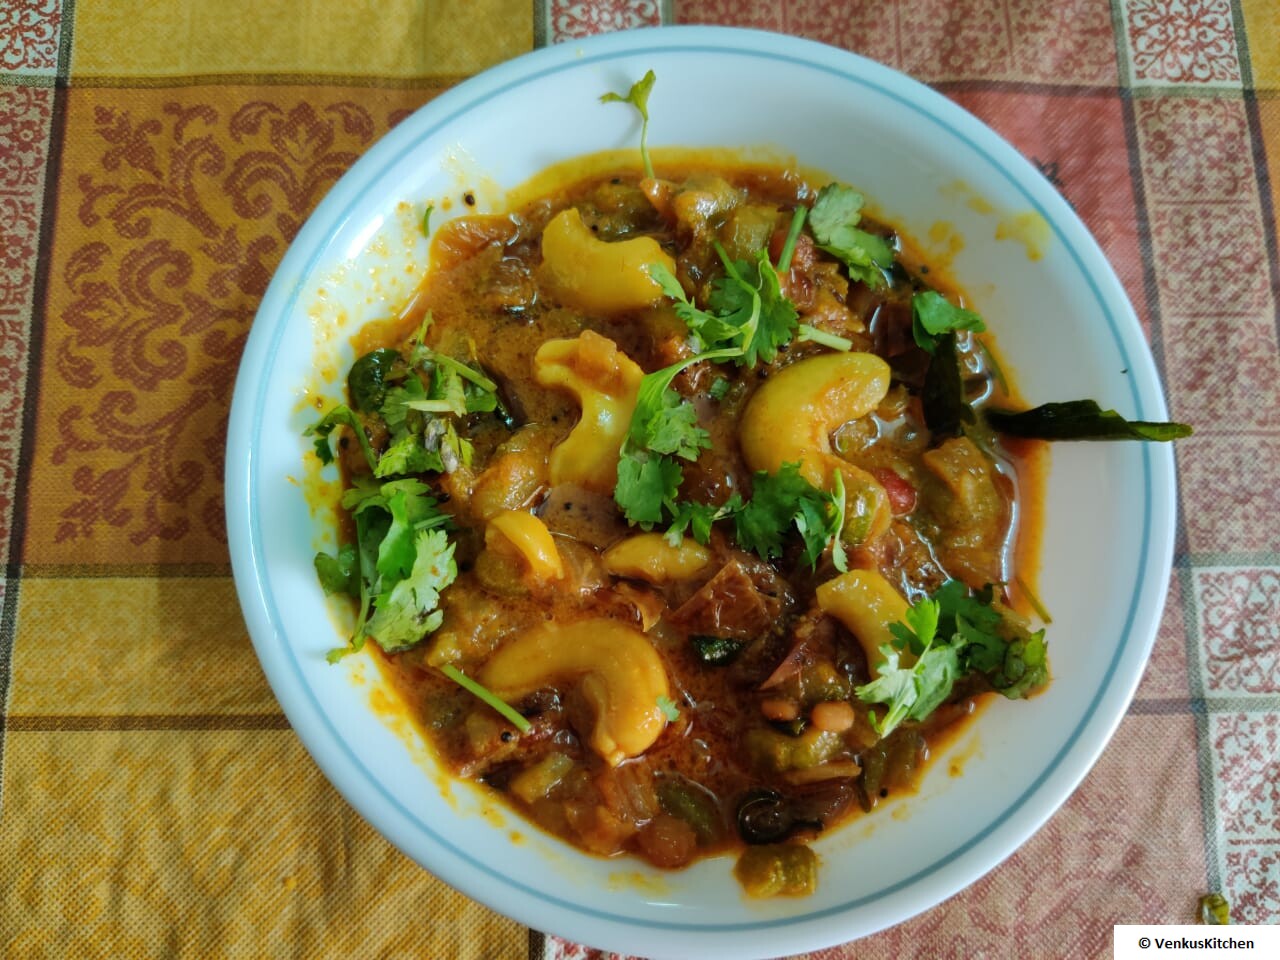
column 1064, row 326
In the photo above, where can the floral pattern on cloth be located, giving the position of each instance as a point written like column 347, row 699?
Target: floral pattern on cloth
column 1182, row 41
column 29, row 33
column 571, row 20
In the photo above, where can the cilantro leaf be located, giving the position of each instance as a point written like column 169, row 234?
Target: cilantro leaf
column 371, row 526
column 456, row 387
column 956, row 602
column 807, row 333
column 467, row 372
column 834, row 223
column 455, row 450
column 446, row 388
column 1081, row 420
column 408, row 455
column 951, row 635
column 415, row 434
column 921, row 626
column 391, row 519
column 839, row 506
column 836, row 207
column 749, row 297
column 912, row 692
column 779, row 502
column 894, row 686
column 638, row 97
column 480, row 400
column 669, row 283
column 647, row 484
column 936, row 672
column 793, row 234
column 396, row 408
column 404, row 614
column 483, row 693
column 748, row 317
column 658, row 423
column 1023, row 669
column 669, row 709
column 1012, row 660
column 713, row 331
column 695, row 518
column 405, row 510
column 421, row 439
column 366, row 492
column 1014, row 663
column 748, row 320
column 932, row 315
column 662, row 424
column 341, row 573
column 398, row 550
column 778, row 315
column 445, row 395
column 673, row 428
column 735, row 305
column 813, row 519
column 341, row 415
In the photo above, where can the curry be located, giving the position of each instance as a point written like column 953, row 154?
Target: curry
column 674, row 517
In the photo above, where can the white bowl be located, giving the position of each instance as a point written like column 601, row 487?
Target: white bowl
column 1063, row 324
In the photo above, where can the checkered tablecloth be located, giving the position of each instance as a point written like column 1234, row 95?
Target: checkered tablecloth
column 156, row 157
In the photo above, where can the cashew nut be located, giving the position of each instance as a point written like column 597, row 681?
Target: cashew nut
column 605, row 381
column 527, row 536
column 618, row 671
column 649, row 557
column 866, row 603
column 791, row 418
column 596, row 276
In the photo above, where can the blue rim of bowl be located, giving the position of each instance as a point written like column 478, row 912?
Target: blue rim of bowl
column 722, row 41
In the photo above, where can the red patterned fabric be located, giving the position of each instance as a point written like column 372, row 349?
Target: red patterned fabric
column 156, row 159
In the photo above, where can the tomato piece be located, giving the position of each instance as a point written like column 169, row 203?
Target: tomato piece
column 902, row 495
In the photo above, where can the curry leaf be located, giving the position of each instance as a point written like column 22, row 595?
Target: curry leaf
column 367, row 381
column 716, row 651
column 1080, row 420
column 946, row 409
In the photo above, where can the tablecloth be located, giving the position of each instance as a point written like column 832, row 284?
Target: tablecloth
column 156, row 157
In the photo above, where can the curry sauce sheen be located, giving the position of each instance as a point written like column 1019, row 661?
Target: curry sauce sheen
column 713, row 689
